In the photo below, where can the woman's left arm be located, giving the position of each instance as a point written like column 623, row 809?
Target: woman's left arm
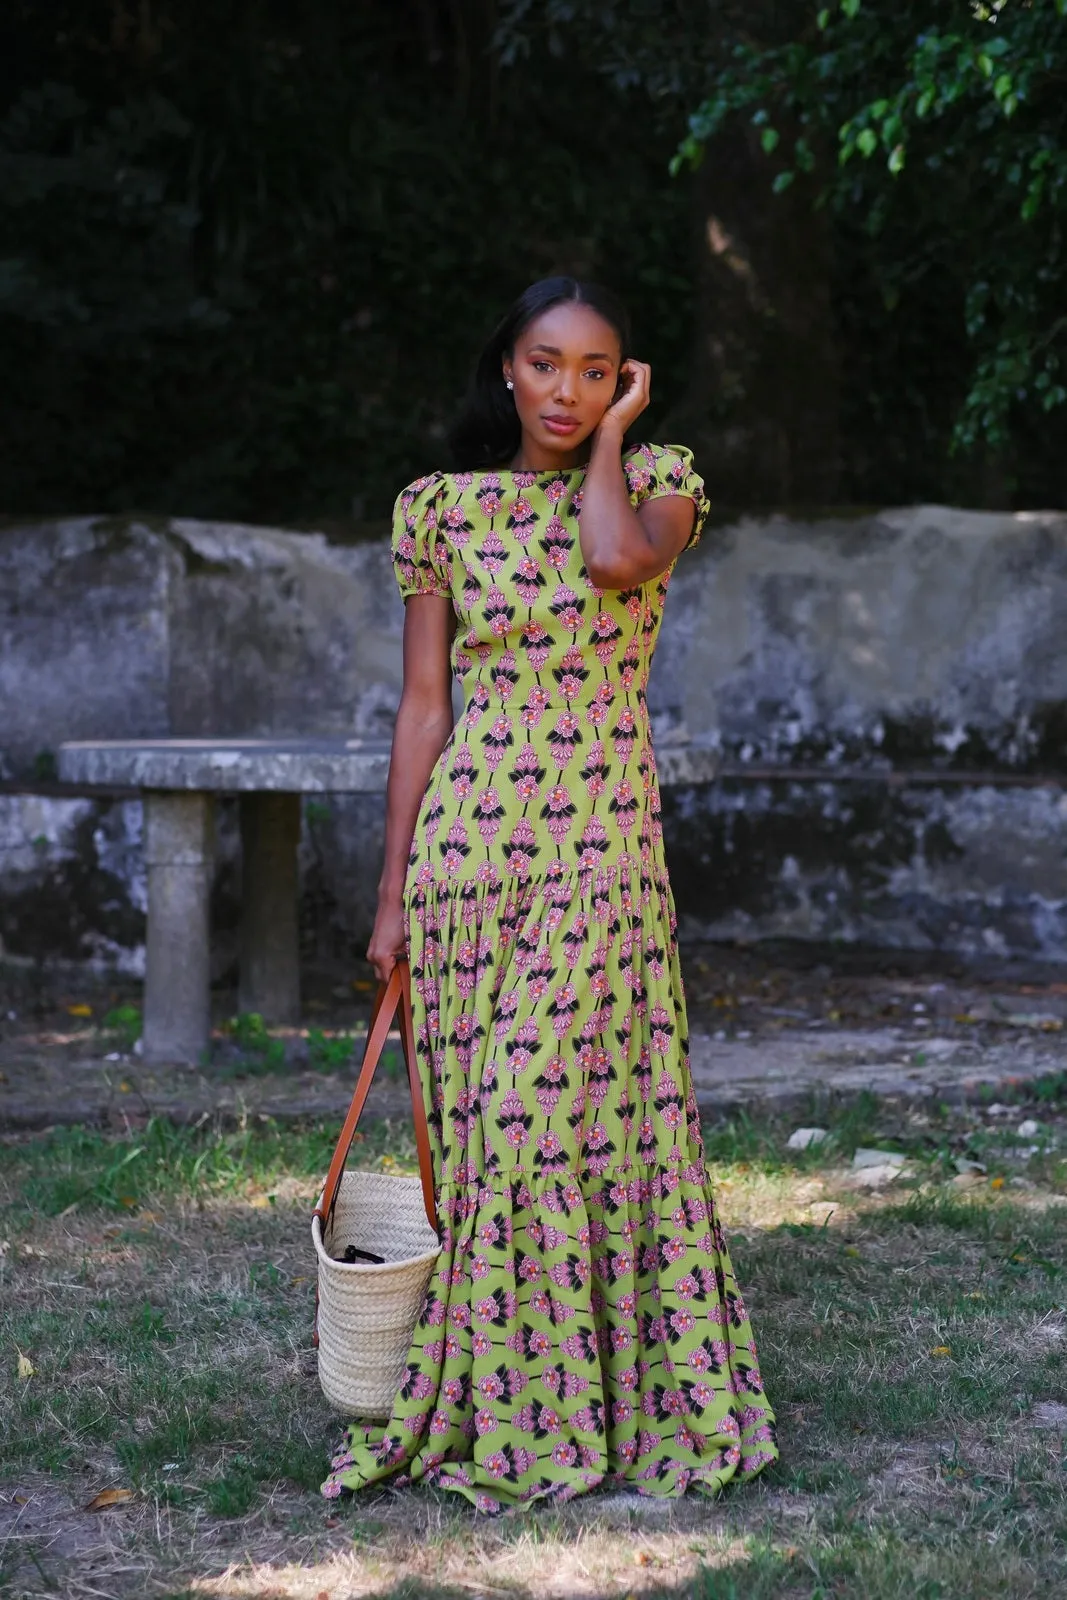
column 621, row 547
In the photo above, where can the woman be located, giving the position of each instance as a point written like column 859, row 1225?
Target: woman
column 584, row 1323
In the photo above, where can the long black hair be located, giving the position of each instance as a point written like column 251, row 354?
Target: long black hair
column 487, row 431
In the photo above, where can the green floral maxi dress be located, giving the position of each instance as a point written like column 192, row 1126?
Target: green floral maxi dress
column 583, row 1323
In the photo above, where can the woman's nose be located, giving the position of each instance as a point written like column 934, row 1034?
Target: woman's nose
column 566, row 389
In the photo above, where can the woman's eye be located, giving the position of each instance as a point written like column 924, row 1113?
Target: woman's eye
column 543, row 366
column 595, row 373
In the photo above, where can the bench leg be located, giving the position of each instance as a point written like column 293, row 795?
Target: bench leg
column 177, row 993
column 270, row 952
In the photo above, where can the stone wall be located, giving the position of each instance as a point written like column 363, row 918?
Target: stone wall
column 875, row 687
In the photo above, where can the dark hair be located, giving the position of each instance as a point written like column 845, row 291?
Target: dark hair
column 487, row 431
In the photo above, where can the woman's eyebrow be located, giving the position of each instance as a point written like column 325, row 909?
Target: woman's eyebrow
column 590, row 355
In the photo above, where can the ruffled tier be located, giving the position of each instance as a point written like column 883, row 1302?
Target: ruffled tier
column 551, row 1021
column 578, row 1330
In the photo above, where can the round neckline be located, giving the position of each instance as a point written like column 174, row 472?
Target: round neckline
column 515, row 472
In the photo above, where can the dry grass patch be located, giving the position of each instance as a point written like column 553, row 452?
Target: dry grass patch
column 161, row 1289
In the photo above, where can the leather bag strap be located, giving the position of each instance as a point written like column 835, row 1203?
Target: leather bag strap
column 392, row 997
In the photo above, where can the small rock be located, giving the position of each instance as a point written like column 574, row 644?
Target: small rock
column 997, row 1110
column 877, row 1158
column 138, row 1048
column 965, row 1167
column 873, row 1177
column 1050, row 1414
column 966, row 1180
column 804, row 1138
column 1027, row 1129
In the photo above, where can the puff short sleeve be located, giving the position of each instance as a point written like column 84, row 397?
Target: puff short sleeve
column 421, row 553
column 655, row 470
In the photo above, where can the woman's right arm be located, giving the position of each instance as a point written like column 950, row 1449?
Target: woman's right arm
column 423, row 724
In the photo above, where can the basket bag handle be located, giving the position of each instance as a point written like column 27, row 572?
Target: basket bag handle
column 393, row 997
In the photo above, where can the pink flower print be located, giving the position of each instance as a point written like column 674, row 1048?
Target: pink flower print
column 492, row 552
column 528, row 580
column 479, row 700
column 517, row 1135
column 682, row 1321
column 481, row 1344
column 540, row 1344
column 498, row 612
column 564, row 738
column 606, row 636
column 522, row 518
column 596, row 714
column 702, row 1395
column 564, row 1454
column 548, row 1420
column 595, row 770
column 439, row 1422
column 537, row 703
column 596, row 1137
column 455, row 847
column 504, row 676
column 487, row 814
column 629, row 671
column 556, row 543
column 558, row 809
column 497, row 1467
column 555, row 1069
column 549, row 1145
column 536, row 986
column 480, row 1267
column 555, row 491
column 537, row 644
column 506, row 1008
column 567, row 607
column 686, row 1287
column 460, row 772
column 496, row 739
column 489, row 501
column 562, row 1008
column 623, row 804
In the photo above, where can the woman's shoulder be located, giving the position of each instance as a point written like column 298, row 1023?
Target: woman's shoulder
column 662, row 465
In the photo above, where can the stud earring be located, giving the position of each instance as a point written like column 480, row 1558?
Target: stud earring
column 508, row 383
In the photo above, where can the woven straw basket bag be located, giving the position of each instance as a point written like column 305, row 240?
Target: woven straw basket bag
column 366, row 1312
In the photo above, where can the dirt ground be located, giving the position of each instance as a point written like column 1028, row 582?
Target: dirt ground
column 786, row 1024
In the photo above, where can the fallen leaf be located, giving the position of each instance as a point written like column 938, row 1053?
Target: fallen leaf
column 20, row 1499
column 850, row 1250
column 124, row 1087
column 996, row 1183
column 941, row 1350
column 110, row 1497
column 26, row 1366
column 642, row 1558
column 80, row 1010
column 261, row 1202
column 323, row 1594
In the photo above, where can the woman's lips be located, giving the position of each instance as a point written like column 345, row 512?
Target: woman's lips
column 561, row 425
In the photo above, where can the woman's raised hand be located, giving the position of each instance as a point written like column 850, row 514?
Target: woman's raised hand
column 635, row 381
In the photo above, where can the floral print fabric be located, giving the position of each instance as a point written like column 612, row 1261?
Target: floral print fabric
column 583, row 1323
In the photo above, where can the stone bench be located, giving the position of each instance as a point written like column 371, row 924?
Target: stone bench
column 177, row 780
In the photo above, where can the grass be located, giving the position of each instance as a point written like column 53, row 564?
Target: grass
column 914, row 1342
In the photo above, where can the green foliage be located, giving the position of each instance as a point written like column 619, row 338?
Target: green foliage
column 962, row 130
column 261, row 1052
column 245, row 268
column 328, row 1053
column 125, row 1023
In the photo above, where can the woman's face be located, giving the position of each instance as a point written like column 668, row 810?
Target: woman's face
column 564, row 367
